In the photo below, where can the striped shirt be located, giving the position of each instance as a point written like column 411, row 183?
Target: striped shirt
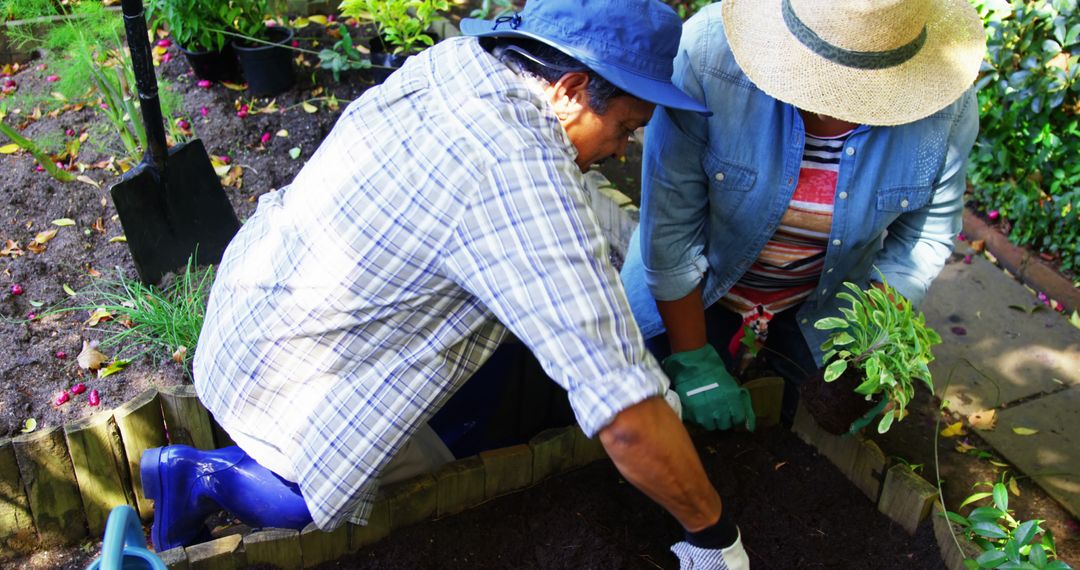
column 789, row 266
column 444, row 208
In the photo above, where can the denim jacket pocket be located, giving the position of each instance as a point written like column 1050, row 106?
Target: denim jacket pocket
column 903, row 198
column 728, row 176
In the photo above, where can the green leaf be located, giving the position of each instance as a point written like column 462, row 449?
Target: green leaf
column 29, row 425
column 842, row 338
column 62, row 222
column 1037, row 555
column 36, row 304
column 974, row 497
column 834, row 370
column 294, row 152
column 985, row 514
column 1001, row 497
column 991, row 559
column 988, row 530
column 70, row 292
column 1026, row 532
column 886, row 421
column 957, row 518
column 113, row 367
column 830, row 323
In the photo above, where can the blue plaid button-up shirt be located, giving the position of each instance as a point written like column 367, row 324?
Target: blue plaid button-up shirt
column 444, row 208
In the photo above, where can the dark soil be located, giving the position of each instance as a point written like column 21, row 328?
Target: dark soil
column 794, row 509
column 31, row 367
column 835, row 405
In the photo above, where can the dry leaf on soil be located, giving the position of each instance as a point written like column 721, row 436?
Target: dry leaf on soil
column 954, row 430
column 178, row 356
column 1014, row 488
column 12, row 248
column 98, row 315
column 62, row 222
column 984, row 419
column 90, row 358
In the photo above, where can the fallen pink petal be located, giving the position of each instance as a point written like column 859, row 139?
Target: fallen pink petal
column 52, row 78
column 295, row 43
column 70, row 132
column 31, row 316
column 993, row 214
column 62, row 398
column 961, row 236
column 164, row 42
column 94, row 399
column 958, row 331
column 61, row 354
column 166, row 57
column 204, row 83
column 183, row 124
column 78, row 388
column 967, row 259
column 265, row 138
column 204, row 111
column 16, row 289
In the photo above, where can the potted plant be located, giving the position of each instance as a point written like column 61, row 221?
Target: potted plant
column 262, row 47
column 343, row 55
column 875, row 353
column 197, row 26
column 401, row 27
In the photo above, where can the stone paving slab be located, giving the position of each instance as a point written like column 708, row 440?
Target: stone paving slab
column 1021, row 354
column 1052, row 456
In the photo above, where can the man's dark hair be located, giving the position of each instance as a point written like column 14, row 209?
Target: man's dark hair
column 547, row 63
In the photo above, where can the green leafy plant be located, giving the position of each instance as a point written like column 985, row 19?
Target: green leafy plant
column 343, row 56
column 248, row 17
column 194, row 24
column 882, row 336
column 159, row 320
column 492, row 9
column 1024, row 166
column 402, row 24
column 1005, row 542
column 30, row 146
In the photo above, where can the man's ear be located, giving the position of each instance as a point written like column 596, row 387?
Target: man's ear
column 571, row 92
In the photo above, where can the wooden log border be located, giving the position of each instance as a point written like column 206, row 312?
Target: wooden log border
column 44, row 501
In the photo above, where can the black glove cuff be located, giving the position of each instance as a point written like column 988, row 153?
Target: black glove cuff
column 720, row 535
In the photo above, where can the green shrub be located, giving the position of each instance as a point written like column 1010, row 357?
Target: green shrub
column 1024, row 164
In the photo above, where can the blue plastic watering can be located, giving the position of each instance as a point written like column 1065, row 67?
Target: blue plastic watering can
column 124, row 547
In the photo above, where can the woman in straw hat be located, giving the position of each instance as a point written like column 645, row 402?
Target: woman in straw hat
column 836, row 151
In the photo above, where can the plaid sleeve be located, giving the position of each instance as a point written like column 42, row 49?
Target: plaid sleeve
column 529, row 247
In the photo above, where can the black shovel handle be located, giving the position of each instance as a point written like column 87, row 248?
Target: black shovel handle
column 145, row 82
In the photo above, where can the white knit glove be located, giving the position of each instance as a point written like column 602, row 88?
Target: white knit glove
column 693, row 558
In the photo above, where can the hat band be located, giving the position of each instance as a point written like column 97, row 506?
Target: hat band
column 846, row 57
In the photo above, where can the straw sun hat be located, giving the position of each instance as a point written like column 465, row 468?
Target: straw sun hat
column 874, row 62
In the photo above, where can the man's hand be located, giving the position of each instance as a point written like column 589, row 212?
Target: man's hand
column 693, row 558
column 710, row 396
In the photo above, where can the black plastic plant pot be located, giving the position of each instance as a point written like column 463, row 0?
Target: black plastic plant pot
column 383, row 64
column 268, row 68
column 214, row 65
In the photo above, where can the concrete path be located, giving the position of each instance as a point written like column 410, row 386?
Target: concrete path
column 998, row 353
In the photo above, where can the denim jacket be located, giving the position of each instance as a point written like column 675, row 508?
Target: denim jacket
column 715, row 189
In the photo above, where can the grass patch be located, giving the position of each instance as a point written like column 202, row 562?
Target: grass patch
column 162, row 322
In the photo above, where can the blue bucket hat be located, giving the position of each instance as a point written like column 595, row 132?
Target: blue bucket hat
column 630, row 43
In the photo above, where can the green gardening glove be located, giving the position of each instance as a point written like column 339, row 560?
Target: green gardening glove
column 710, row 397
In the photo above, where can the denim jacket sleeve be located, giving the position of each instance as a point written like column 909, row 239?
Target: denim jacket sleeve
column 675, row 193
column 919, row 242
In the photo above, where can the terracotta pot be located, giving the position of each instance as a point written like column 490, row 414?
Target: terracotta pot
column 835, row 404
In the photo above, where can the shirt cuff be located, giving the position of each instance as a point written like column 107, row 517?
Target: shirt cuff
column 597, row 403
column 674, row 284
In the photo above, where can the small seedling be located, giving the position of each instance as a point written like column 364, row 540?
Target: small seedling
column 1005, row 542
column 882, row 336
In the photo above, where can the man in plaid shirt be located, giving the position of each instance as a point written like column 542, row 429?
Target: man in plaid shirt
column 446, row 207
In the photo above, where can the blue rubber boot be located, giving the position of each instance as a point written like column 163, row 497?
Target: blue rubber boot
column 187, row 485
